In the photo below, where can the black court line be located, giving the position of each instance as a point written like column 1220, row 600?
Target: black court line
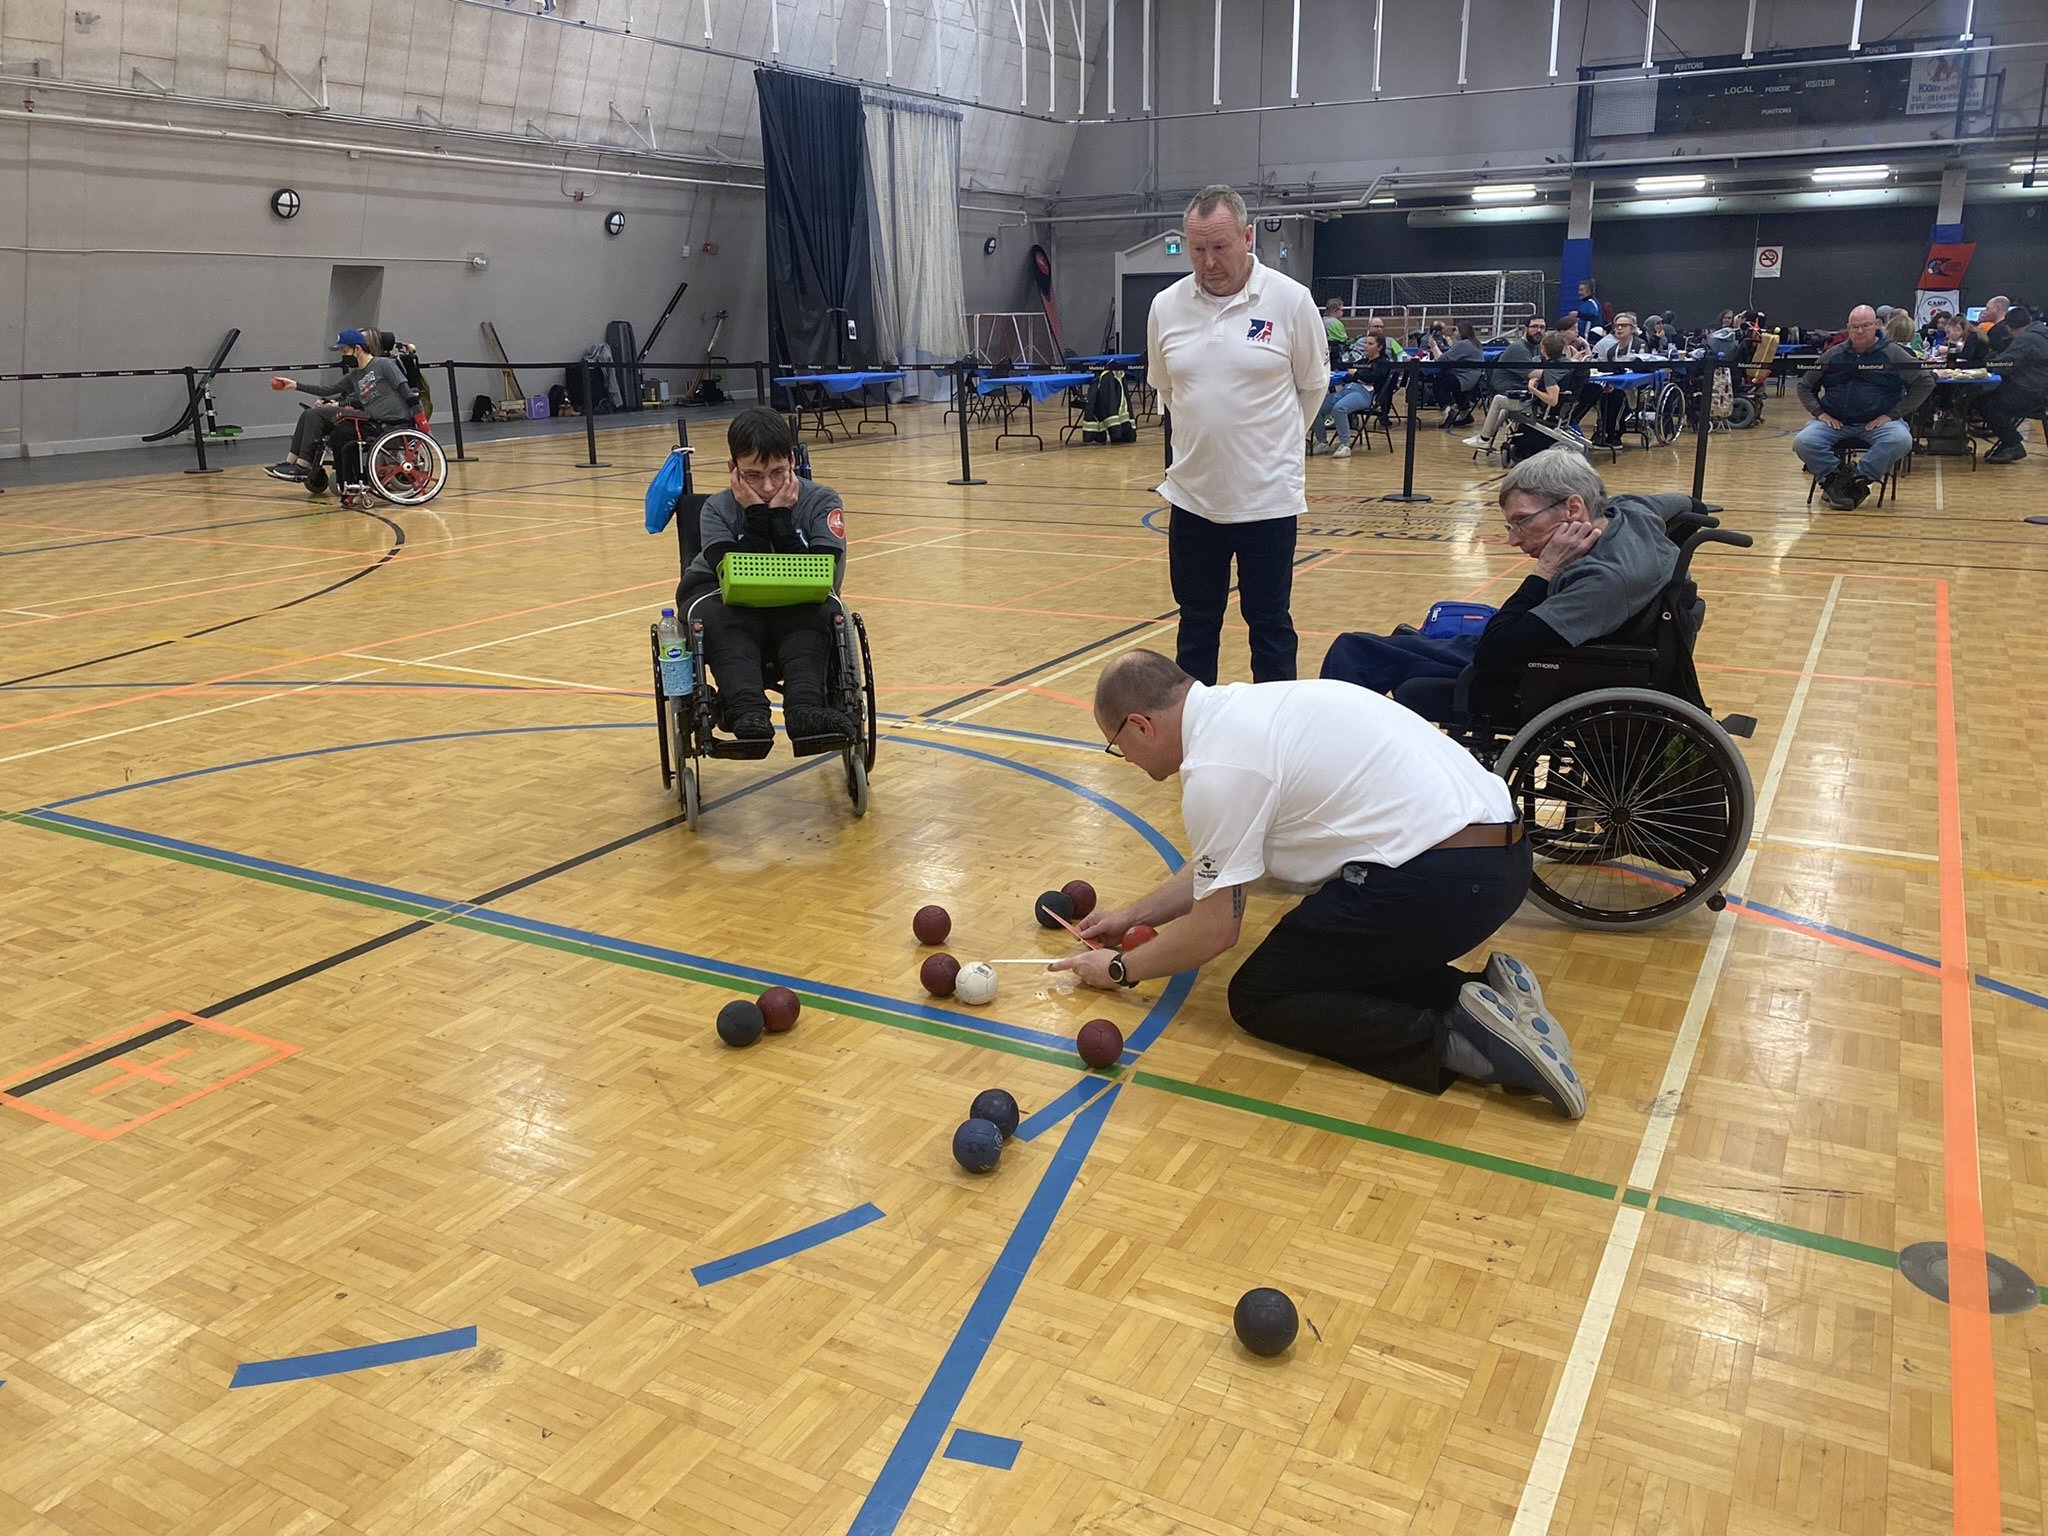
column 356, row 951
column 398, row 543
column 1053, row 661
column 154, row 533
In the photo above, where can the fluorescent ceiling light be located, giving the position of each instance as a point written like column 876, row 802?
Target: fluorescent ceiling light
column 2022, row 167
column 1671, row 183
column 1847, row 173
column 1519, row 192
column 1384, row 201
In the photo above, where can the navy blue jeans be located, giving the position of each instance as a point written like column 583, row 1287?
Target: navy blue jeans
column 1199, row 553
column 1384, row 662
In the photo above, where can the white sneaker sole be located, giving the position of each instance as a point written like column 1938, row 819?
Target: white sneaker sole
column 1516, row 983
column 1509, row 1028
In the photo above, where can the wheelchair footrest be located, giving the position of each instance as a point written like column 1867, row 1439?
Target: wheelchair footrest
column 817, row 746
column 743, row 751
column 1739, row 725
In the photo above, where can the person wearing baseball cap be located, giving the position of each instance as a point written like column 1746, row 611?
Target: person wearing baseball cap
column 315, row 422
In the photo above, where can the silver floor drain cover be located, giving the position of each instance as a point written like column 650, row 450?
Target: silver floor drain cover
column 1926, row 1265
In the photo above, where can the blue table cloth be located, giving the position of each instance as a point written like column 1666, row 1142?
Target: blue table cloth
column 1040, row 386
column 1110, row 360
column 841, row 383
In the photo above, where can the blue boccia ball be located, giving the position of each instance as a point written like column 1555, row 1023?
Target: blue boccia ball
column 998, row 1108
column 978, row 1146
column 740, row 1022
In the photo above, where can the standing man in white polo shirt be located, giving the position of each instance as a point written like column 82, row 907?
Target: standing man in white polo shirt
column 1415, row 851
column 1239, row 357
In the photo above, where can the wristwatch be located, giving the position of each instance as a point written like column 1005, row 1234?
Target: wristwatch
column 1117, row 973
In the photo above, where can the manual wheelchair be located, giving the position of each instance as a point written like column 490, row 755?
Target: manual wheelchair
column 1637, row 802
column 399, row 464
column 685, row 719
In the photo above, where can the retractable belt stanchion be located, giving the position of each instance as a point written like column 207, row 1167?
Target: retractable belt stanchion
column 1699, row 457
column 198, row 423
column 963, row 388
column 1408, row 491
column 589, row 425
column 455, row 415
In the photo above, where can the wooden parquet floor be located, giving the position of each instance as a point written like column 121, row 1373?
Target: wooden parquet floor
column 359, row 988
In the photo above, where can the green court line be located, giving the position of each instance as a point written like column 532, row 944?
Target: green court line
column 1442, row 1151
column 1533, row 1173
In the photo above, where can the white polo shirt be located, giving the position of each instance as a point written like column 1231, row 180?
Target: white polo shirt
column 1244, row 378
column 1296, row 780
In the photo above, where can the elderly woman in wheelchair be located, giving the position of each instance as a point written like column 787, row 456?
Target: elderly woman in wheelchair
column 1581, row 693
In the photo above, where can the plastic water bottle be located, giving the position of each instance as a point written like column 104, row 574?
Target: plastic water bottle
column 678, row 673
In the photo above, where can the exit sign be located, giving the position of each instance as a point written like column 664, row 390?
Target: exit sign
column 1173, row 245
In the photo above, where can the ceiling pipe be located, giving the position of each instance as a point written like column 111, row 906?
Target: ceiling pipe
column 1973, row 49
column 379, row 151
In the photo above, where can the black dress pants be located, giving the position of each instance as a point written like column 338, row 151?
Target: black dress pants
column 1199, row 553
column 736, row 639
column 1360, row 973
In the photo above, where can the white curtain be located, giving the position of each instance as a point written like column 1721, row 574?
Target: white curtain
column 913, row 179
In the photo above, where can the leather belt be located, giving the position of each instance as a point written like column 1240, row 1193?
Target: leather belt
column 1483, row 834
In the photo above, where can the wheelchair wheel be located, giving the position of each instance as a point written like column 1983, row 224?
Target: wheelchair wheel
column 407, row 467
column 1670, row 413
column 1743, row 412
column 864, row 707
column 661, row 710
column 856, row 780
column 692, row 809
column 1638, row 807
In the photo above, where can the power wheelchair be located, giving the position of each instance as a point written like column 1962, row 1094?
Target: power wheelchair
column 686, row 698
column 1637, row 802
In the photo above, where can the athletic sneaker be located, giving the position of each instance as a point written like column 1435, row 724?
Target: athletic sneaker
column 1519, row 1057
column 2008, row 453
column 285, row 470
column 811, row 722
column 1513, row 980
column 1478, row 442
column 1341, row 451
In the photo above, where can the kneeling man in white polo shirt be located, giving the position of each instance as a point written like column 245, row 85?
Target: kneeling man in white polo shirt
column 1415, row 851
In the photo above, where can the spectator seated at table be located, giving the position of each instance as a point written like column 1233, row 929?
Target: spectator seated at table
column 1656, row 341
column 2023, row 366
column 1543, row 390
column 1368, row 385
column 1510, row 375
column 1463, row 379
column 1599, row 562
column 1861, row 394
column 1614, row 352
column 1963, row 345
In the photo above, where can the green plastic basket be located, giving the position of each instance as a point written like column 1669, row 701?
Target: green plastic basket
column 774, row 581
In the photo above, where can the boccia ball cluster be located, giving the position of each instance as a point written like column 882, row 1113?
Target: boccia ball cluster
column 991, row 1121
column 774, row 1012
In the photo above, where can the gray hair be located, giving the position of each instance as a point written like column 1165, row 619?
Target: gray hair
column 1555, row 474
column 1214, row 196
column 1626, row 314
column 1138, row 683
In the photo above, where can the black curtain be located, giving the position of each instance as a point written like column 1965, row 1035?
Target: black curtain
column 821, row 310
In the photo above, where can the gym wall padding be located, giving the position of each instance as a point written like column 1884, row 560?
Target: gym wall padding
column 813, row 142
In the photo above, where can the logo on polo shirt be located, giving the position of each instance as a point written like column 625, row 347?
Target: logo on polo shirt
column 1205, row 867
column 1261, row 330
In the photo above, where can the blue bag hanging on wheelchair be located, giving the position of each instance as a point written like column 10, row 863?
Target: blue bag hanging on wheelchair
column 668, row 487
column 1448, row 620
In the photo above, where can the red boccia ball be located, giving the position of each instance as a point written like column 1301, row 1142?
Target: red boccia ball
column 938, row 974
column 931, row 925
column 1100, row 1043
column 1141, row 933
column 1082, row 895
column 779, row 1008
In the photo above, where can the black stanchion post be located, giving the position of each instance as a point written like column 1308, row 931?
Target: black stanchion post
column 455, row 415
column 198, row 410
column 963, row 390
column 1408, row 491
column 589, row 425
column 760, row 383
column 1699, row 457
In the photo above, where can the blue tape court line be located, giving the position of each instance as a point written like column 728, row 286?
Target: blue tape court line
column 998, row 1451
column 363, row 1357
column 1038, row 1123
column 782, row 1247
column 882, row 1510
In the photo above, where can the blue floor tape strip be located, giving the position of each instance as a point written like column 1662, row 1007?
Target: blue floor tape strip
column 363, row 1357
column 977, row 1449
column 882, row 1511
column 1041, row 1121
column 782, row 1247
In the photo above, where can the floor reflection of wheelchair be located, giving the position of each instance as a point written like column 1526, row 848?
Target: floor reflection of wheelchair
column 400, row 464
column 1637, row 801
column 686, row 720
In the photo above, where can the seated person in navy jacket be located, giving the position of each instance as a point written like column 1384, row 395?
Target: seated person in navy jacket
column 1599, row 563
column 1861, row 393
column 767, row 509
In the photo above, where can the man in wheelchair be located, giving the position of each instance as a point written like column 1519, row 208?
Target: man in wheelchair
column 1600, row 562
column 371, row 391
column 767, row 508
